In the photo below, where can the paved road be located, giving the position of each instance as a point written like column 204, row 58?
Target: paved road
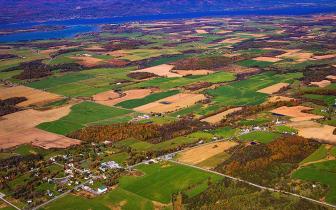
column 203, row 169
column 9, row 203
column 257, row 185
column 60, row 196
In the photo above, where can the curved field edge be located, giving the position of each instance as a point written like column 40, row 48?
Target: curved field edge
column 81, row 115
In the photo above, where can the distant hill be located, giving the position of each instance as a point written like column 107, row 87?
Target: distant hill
column 42, row 10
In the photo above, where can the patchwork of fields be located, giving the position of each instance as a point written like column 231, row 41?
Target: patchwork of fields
column 204, row 113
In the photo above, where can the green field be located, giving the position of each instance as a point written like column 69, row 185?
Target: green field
column 327, row 99
column 24, row 55
column 324, row 172
column 319, row 154
column 130, row 104
column 160, row 181
column 134, row 144
column 189, row 110
column 285, row 129
column 225, row 132
column 141, row 54
column 254, row 122
column 54, row 81
column 166, row 145
column 253, row 63
column 118, row 198
column 245, row 92
column 80, row 115
column 85, row 83
column 260, row 136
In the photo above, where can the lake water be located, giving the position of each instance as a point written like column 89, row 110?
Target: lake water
column 68, row 32
column 79, row 26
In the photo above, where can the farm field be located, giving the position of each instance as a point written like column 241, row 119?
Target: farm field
column 80, row 115
column 323, row 172
column 34, row 96
column 117, row 198
column 167, row 177
column 245, row 92
column 259, row 136
column 111, row 98
column 168, row 83
column 202, row 153
column 227, row 112
column 171, row 103
column 133, row 103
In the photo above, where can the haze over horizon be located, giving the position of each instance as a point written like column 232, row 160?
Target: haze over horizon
column 45, row 10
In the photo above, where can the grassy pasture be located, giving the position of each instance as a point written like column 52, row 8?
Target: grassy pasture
column 84, row 83
column 188, row 110
column 169, row 144
column 285, row 129
column 225, row 132
column 160, row 181
column 327, row 99
column 254, row 122
column 134, row 144
column 54, row 81
column 130, row 104
column 260, row 136
column 24, row 55
column 141, row 54
column 80, row 115
column 319, row 154
column 8, row 75
column 245, row 92
column 77, row 90
column 112, row 199
column 324, row 172
column 253, row 63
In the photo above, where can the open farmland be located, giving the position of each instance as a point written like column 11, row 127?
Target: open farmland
column 36, row 137
column 171, row 103
column 218, row 117
column 34, row 96
column 273, row 88
column 133, row 103
column 245, row 92
column 202, row 153
column 159, row 181
column 161, row 70
column 80, row 115
column 111, row 98
column 234, row 112
column 86, row 83
column 25, row 121
column 88, row 61
column 297, row 113
column 323, row 172
column 168, row 83
column 313, row 130
column 140, row 54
